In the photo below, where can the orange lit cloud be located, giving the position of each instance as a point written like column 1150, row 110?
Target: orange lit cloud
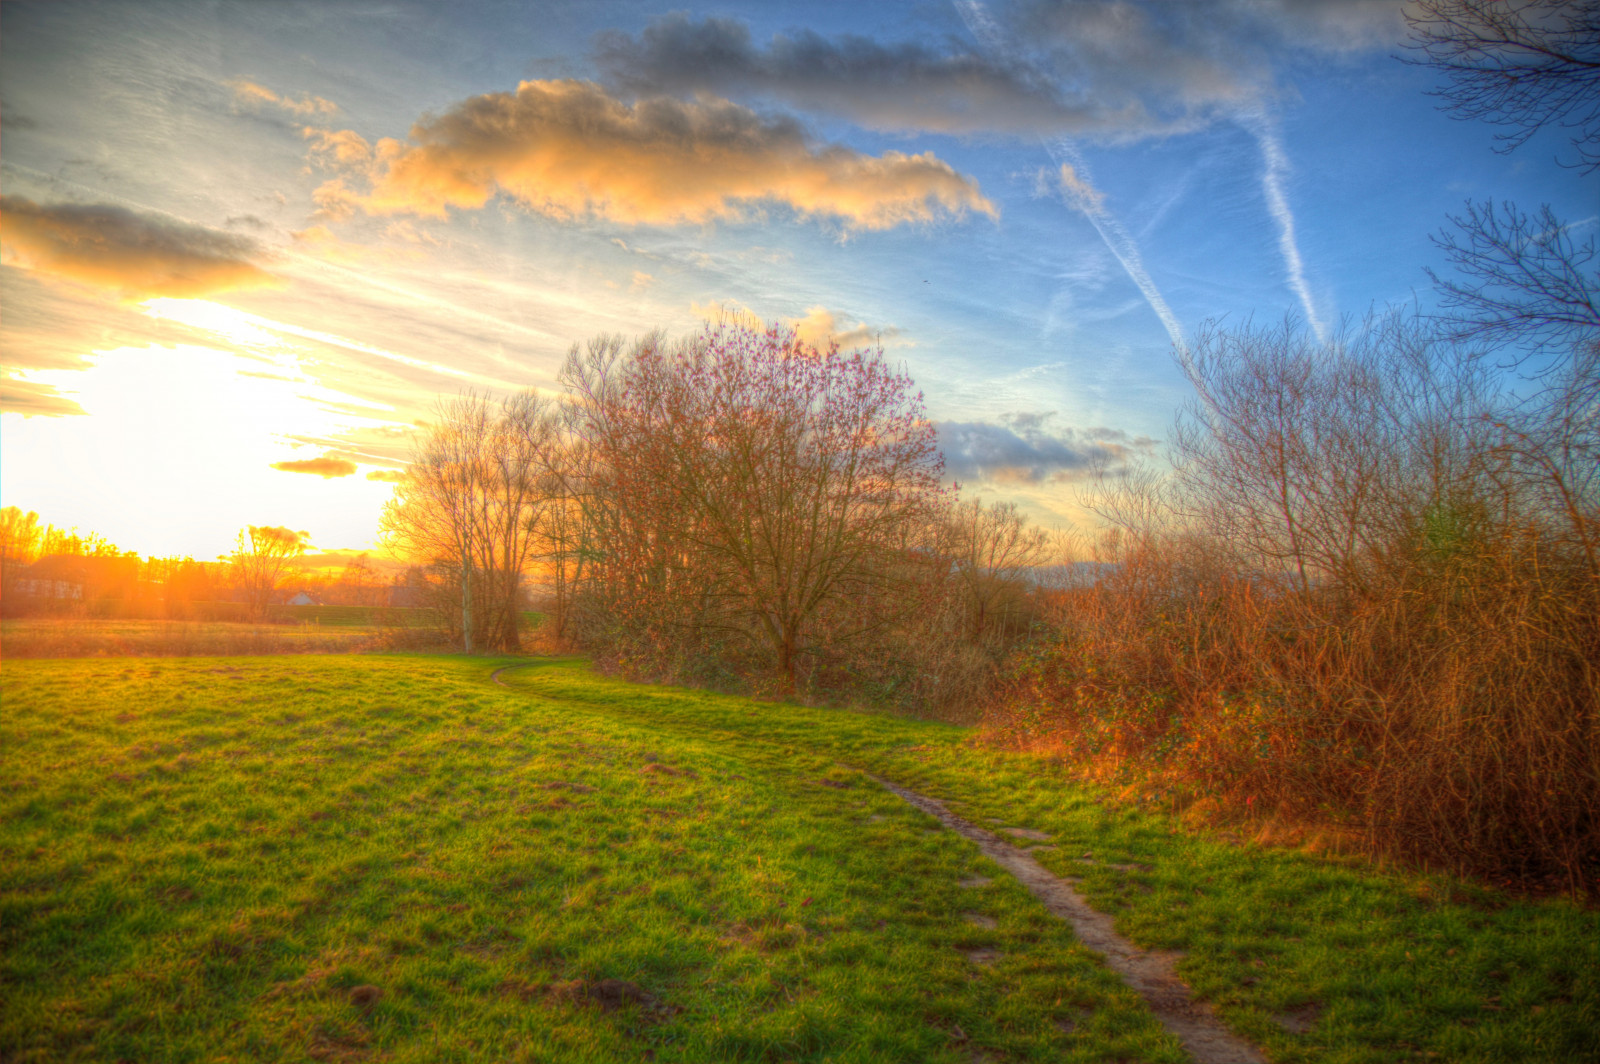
column 820, row 326
column 338, row 147
column 569, row 150
column 1079, row 191
column 137, row 256
column 388, row 476
column 249, row 93
column 34, row 399
column 323, row 467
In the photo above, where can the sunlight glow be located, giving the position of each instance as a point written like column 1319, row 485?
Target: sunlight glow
column 253, row 330
column 194, row 431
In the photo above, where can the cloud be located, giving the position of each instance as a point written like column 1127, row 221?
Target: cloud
column 323, row 467
column 321, row 242
column 388, row 476
column 569, row 150
column 45, row 325
column 1079, row 192
column 878, row 86
column 34, row 399
column 135, row 255
column 819, row 327
column 1274, row 167
column 727, row 311
column 268, row 534
column 1118, row 68
column 1184, row 65
column 250, row 94
column 338, row 147
column 1026, row 451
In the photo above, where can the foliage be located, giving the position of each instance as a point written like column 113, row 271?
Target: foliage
column 261, row 555
column 752, row 499
column 1367, row 595
column 471, row 504
column 736, row 508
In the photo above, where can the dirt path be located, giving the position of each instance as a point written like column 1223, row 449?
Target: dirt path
column 495, row 675
column 1149, row 973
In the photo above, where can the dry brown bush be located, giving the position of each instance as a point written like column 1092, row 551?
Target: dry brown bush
column 1368, row 595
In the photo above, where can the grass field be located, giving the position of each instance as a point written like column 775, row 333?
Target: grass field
column 392, row 858
column 72, row 637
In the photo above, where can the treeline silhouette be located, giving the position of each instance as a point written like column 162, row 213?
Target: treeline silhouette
column 48, row 571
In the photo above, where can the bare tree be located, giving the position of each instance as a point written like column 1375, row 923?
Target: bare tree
column 1524, row 280
column 471, row 504
column 260, row 556
column 994, row 552
column 747, row 487
column 1521, row 64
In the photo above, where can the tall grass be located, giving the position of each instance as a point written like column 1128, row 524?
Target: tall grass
column 86, row 638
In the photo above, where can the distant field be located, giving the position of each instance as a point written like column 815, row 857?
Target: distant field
column 360, row 616
column 286, row 630
column 392, row 858
column 70, row 637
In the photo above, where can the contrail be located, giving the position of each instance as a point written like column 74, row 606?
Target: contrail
column 1064, row 153
column 1275, row 164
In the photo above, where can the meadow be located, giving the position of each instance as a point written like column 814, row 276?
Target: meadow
column 401, row 858
column 286, row 630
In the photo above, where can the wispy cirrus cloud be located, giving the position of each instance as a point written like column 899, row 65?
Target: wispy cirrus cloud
column 323, row 467
column 1028, row 450
column 570, row 150
column 133, row 254
column 1078, row 185
column 250, row 94
column 1274, row 171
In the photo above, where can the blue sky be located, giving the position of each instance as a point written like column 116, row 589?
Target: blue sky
column 247, row 245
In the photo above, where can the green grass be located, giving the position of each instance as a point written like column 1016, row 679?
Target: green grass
column 201, row 859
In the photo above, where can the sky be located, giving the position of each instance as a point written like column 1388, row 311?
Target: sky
column 245, row 248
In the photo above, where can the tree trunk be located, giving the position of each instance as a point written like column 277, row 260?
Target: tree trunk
column 466, row 606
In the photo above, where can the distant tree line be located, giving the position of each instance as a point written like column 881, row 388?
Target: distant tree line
column 46, row 570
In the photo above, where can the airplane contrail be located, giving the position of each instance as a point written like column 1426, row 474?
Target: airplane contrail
column 1275, row 164
column 1064, row 153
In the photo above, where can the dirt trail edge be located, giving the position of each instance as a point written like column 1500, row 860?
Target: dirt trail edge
column 495, row 675
column 1147, row 972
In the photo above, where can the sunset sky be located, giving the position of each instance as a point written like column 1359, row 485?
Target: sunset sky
column 247, row 245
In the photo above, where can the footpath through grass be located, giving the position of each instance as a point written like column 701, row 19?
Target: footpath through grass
column 394, row 859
